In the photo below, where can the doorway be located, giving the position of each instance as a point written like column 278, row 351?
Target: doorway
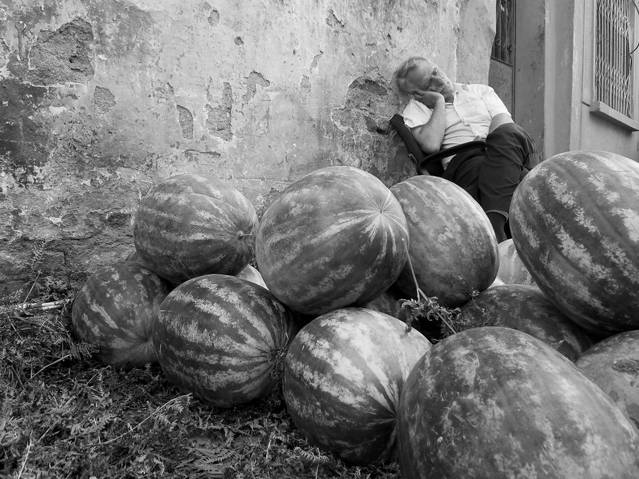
column 501, row 75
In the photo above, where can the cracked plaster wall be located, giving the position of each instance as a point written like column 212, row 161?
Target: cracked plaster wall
column 100, row 98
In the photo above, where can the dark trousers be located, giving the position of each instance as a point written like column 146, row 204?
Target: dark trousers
column 491, row 176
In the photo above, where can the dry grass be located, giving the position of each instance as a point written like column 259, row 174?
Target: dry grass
column 64, row 415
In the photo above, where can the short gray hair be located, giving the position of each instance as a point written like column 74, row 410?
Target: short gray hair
column 402, row 71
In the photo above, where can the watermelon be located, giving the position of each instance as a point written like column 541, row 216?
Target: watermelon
column 334, row 238
column 343, row 375
column 253, row 275
column 453, row 249
column 192, row 225
column 385, row 303
column 613, row 364
column 493, row 402
column 575, row 223
column 511, row 268
column 526, row 309
column 115, row 310
column 223, row 339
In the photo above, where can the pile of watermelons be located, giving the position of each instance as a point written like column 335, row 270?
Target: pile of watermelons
column 499, row 397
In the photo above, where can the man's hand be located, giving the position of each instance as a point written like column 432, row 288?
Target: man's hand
column 430, row 135
column 429, row 98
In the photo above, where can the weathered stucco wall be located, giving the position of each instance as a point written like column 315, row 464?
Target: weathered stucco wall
column 100, row 98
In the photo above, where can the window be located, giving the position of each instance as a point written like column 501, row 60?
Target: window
column 613, row 60
column 504, row 44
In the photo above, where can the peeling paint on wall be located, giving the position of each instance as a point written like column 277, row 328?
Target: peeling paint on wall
column 103, row 99
column 100, row 99
column 219, row 116
column 254, row 80
column 186, row 121
column 57, row 56
column 214, row 16
column 22, row 140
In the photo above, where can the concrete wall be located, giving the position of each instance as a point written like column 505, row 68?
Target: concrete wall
column 530, row 70
column 590, row 131
column 569, row 122
column 501, row 78
column 100, row 98
column 558, row 99
column 553, row 80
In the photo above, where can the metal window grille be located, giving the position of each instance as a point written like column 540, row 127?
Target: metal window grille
column 613, row 60
column 503, row 46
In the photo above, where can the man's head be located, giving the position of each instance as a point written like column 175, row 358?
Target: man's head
column 418, row 74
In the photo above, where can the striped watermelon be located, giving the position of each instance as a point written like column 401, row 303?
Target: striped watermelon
column 115, row 310
column 342, row 379
column 511, row 268
column 222, row 338
column 453, row 248
column 526, row 309
column 191, row 225
column 613, row 364
column 334, row 238
column 253, row 275
column 494, row 402
column 385, row 303
column 575, row 222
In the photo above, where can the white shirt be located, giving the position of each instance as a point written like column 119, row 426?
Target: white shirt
column 468, row 118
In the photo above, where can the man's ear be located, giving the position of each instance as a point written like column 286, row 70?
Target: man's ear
column 402, row 85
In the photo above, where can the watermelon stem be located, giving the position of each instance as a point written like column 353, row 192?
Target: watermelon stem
column 427, row 307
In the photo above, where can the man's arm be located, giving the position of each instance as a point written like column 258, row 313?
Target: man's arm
column 496, row 108
column 498, row 120
column 430, row 135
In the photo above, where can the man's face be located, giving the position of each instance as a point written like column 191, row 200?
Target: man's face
column 428, row 77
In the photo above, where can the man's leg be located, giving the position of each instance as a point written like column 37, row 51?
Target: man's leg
column 508, row 153
column 498, row 222
column 463, row 170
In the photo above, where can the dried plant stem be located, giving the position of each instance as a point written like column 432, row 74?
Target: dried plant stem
column 26, row 457
column 66, row 356
column 24, row 301
column 430, row 304
column 157, row 410
column 36, row 306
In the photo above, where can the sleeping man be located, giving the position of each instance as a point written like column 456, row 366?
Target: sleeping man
column 441, row 114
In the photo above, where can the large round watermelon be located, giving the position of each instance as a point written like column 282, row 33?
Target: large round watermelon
column 511, row 268
column 191, row 225
column 334, row 238
column 494, row 402
column 575, row 222
column 526, row 309
column 343, row 375
column 115, row 310
column 222, row 338
column 453, row 249
column 613, row 364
